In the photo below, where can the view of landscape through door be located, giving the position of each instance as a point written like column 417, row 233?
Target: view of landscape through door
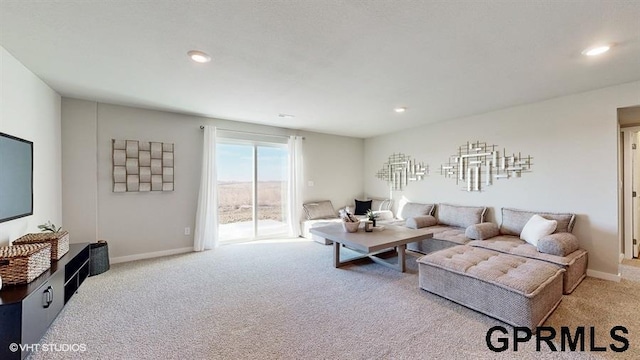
column 252, row 189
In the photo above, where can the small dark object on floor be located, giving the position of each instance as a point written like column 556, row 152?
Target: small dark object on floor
column 99, row 262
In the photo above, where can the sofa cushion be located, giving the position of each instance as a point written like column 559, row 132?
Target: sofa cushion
column 376, row 205
column 410, row 210
column 380, row 204
column 418, row 222
column 536, row 228
column 319, row 210
column 559, row 244
column 451, row 234
column 394, row 222
column 460, row 216
column 514, row 220
column 482, row 231
column 513, row 245
column 362, row 207
column 383, row 215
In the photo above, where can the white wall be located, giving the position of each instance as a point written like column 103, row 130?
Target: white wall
column 30, row 109
column 79, row 169
column 334, row 165
column 136, row 222
column 139, row 224
column 573, row 141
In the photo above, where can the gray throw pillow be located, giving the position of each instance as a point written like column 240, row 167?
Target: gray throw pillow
column 415, row 209
column 419, row 222
column 514, row 220
column 319, row 210
column 380, row 204
column 460, row 216
column 482, row 231
column 559, row 244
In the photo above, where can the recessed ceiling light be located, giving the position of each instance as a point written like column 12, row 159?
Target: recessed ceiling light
column 596, row 50
column 286, row 116
column 199, row 56
column 400, row 109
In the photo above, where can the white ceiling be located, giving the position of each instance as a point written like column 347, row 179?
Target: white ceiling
column 339, row 66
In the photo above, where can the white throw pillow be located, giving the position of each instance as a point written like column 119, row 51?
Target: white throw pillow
column 536, row 228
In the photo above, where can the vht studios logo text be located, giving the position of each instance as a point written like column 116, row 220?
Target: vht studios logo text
column 581, row 339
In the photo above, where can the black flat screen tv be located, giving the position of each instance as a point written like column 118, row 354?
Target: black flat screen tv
column 16, row 177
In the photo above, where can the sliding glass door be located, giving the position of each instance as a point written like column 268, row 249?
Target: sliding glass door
column 271, row 193
column 252, row 189
column 235, row 190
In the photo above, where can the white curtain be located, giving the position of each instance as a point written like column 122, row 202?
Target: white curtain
column 295, row 185
column 206, row 232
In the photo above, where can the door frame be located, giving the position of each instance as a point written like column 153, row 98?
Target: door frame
column 254, row 144
column 627, row 181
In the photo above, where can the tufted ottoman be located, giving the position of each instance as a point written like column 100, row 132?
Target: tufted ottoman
column 516, row 290
column 574, row 263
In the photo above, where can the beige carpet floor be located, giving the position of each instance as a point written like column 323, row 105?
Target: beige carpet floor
column 631, row 262
column 284, row 300
column 630, row 270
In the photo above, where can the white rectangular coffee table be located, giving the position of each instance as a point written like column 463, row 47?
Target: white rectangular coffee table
column 370, row 244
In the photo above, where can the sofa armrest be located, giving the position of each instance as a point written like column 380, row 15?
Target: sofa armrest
column 482, row 231
column 559, row 244
column 419, row 222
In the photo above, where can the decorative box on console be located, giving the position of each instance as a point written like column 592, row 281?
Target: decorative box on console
column 21, row 264
column 59, row 242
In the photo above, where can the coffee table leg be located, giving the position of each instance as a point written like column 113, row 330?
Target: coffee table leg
column 400, row 266
column 401, row 257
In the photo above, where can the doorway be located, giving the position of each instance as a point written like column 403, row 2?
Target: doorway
column 629, row 181
column 252, row 189
column 631, row 190
column 635, row 181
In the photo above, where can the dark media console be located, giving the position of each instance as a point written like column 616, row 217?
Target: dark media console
column 26, row 311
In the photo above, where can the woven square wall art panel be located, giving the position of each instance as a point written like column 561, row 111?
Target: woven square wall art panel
column 142, row 166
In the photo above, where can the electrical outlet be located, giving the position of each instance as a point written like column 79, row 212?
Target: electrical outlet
column 187, row 231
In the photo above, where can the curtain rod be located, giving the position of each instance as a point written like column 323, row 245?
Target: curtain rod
column 250, row 133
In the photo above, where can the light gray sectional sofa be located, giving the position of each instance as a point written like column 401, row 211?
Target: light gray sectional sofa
column 460, row 225
column 409, row 210
column 322, row 213
column 318, row 213
column 505, row 277
column 481, row 265
column 448, row 226
column 560, row 248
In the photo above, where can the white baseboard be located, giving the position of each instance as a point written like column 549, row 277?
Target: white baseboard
column 151, row 255
column 604, row 275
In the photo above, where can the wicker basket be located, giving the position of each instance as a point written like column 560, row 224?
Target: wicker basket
column 351, row 226
column 21, row 264
column 59, row 242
